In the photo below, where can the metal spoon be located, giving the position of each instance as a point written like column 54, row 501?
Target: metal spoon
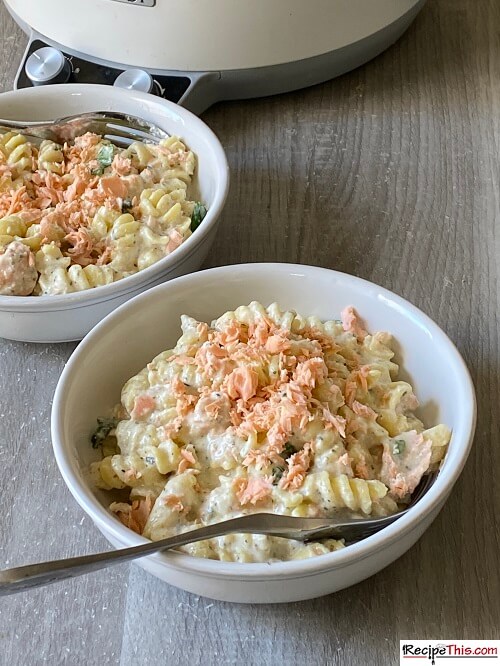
column 302, row 529
column 119, row 128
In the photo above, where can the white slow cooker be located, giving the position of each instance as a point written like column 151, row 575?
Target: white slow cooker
column 196, row 52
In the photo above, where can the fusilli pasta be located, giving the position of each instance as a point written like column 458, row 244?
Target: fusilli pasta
column 96, row 213
column 266, row 410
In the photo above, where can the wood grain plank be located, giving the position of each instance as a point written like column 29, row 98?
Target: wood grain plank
column 12, row 46
column 40, row 520
column 391, row 173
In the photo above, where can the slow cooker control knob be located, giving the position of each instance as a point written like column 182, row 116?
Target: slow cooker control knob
column 135, row 79
column 47, row 65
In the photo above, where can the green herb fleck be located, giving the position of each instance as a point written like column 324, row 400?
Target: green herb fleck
column 104, row 157
column 398, row 446
column 199, row 213
column 288, row 451
column 104, row 427
column 277, row 474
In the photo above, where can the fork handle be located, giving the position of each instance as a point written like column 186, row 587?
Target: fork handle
column 43, row 573
column 7, row 125
column 26, row 577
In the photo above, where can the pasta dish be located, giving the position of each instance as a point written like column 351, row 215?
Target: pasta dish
column 87, row 213
column 264, row 410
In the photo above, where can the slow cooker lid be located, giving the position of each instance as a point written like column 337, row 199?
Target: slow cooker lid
column 203, row 35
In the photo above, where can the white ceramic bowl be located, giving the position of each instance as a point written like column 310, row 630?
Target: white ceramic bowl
column 131, row 336
column 71, row 316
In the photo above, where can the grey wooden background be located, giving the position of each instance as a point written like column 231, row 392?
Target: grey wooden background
column 391, row 172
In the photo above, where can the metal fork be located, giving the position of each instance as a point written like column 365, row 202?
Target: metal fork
column 119, row 128
column 301, row 529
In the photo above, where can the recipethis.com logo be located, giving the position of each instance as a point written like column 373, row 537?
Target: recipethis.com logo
column 449, row 652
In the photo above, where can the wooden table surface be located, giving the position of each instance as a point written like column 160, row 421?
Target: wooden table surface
column 391, row 173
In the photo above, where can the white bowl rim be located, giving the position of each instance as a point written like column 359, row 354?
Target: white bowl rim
column 149, row 274
column 430, row 502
